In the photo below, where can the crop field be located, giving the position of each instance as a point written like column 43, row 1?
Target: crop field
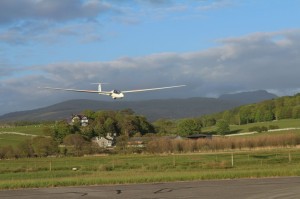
column 123, row 169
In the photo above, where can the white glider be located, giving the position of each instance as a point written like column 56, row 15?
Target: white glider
column 115, row 94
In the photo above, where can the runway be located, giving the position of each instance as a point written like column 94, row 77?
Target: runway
column 267, row 188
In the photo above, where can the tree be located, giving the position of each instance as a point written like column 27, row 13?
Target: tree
column 163, row 126
column 208, row 121
column 76, row 141
column 187, row 127
column 296, row 112
column 128, row 125
column 246, row 114
column 122, row 142
column 7, row 152
column 222, row 127
column 227, row 116
column 89, row 114
column 144, row 126
column 44, row 146
column 87, row 132
column 110, row 127
column 26, row 149
column 61, row 130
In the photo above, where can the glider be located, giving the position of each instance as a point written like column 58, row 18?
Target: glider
column 115, row 94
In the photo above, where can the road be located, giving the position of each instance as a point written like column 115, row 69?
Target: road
column 267, row 188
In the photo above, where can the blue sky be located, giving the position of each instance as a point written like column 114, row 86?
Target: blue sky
column 213, row 46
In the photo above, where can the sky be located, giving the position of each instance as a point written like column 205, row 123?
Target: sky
column 212, row 46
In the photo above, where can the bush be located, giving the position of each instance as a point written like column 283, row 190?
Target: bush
column 273, row 127
column 222, row 143
column 255, row 128
column 258, row 129
column 264, row 129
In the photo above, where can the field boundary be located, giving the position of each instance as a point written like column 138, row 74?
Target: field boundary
column 270, row 130
column 18, row 133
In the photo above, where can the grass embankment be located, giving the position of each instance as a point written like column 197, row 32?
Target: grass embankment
column 120, row 169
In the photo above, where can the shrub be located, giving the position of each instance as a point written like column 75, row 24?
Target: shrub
column 273, row 127
column 258, row 129
column 255, row 128
column 222, row 143
column 264, row 129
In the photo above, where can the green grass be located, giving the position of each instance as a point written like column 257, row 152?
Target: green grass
column 286, row 123
column 30, row 129
column 123, row 169
column 15, row 140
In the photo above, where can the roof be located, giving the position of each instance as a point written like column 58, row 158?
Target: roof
column 196, row 136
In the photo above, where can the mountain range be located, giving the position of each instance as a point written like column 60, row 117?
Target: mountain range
column 152, row 109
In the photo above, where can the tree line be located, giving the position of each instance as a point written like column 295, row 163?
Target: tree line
column 124, row 124
column 287, row 107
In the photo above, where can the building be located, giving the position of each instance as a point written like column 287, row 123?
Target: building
column 80, row 118
column 199, row 136
column 104, row 142
column 138, row 142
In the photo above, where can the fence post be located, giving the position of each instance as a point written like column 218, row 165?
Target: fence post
column 231, row 159
column 174, row 161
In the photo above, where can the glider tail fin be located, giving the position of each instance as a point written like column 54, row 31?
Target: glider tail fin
column 99, row 86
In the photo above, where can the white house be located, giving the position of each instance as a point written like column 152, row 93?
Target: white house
column 81, row 118
column 104, row 142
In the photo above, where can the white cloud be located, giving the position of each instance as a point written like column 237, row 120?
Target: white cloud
column 212, row 5
column 54, row 10
column 34, row 21
column 252, row 62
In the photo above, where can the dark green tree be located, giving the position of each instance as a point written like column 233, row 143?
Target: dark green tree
column 144, row 126
column 44, row 146
column 222, row 127
column 187, row 127
column 61, row 130
column 88, row 132
column 110, row 127
column 77, row 142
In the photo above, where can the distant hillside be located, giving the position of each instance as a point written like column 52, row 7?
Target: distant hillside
column 152, row 109
column 287, row 107
column 249, row 97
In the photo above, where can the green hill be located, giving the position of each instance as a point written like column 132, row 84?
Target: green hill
column 152, row 109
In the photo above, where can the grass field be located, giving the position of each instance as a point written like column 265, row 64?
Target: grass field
column 31, row 129
column 123, row 169
column 120, row 169
column 287, row 123
column 13, row 139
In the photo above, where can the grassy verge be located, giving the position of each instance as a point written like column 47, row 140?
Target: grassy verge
column 120, row 169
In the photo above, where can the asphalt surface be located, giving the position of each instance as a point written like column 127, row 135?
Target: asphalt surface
column 286, row 188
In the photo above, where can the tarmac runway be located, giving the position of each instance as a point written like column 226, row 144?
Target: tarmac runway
column 267, row 188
